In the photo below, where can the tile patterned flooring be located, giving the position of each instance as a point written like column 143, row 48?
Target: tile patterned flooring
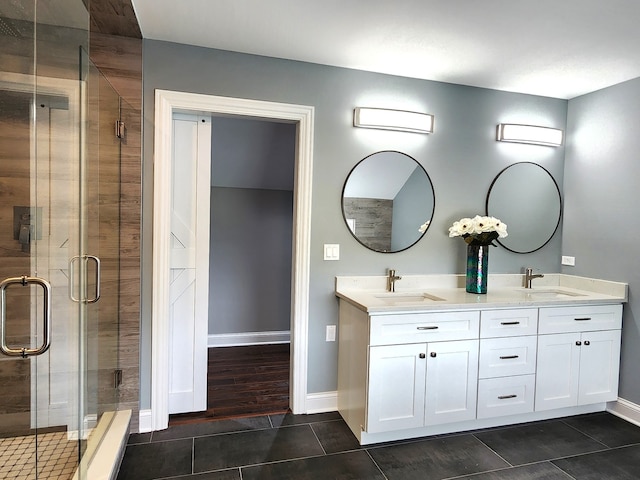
column 57, row 457
column 597, row 446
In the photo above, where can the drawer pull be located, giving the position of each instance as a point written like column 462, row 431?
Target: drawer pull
column 508, row 357
column 583, row 319
column 434, row 327
column 509, row 323
column 505, row 397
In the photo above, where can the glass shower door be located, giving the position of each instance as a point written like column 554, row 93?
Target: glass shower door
column 39, row 362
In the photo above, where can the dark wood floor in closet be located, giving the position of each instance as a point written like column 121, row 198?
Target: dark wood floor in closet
column 242, row 381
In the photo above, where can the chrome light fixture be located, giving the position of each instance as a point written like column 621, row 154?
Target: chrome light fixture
column 509, row 132
column 399, row 120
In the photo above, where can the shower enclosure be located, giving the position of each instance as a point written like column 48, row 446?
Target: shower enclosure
column 59, row 242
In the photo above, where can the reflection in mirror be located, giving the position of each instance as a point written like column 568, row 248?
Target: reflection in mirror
column 526, row 197
column 386, row 199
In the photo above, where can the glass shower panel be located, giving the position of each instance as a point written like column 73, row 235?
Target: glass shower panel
column 100, row 215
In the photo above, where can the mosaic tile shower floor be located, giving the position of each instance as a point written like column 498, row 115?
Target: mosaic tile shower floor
column 57, row 457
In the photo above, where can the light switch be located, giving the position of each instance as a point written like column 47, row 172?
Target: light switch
column 570, row 261
column 331, row 251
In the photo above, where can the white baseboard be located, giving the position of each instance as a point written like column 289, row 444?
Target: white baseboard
column 145, row 421
column 626, row 410
column 322, row 402
column 248, row 338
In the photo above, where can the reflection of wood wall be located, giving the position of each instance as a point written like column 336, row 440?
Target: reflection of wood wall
column 14, row 190
column 373, row 219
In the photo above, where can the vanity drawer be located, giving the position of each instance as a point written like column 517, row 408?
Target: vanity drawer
column 508, row 323
column 424, row 327
column 580, row 319
column 501, row 357
column 498, row 397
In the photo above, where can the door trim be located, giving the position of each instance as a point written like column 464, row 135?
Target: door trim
column 166, row 103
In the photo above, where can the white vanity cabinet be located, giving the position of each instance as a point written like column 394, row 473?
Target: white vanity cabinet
column 416, row 384
column 420, row 369
column 421, row 384
column 578, row 356
column 410, row 372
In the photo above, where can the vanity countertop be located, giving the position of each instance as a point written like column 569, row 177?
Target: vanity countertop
column 424, row 293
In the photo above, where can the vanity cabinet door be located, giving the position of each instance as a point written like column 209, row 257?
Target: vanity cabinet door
column 599, row 367
column 452, row 382
column 557, row 375
column 396, row 387
column 577, row 369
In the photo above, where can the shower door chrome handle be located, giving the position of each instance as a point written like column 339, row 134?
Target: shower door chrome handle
column 98, row 278
column 46, row 330
column 72, row 278
column 72, row 282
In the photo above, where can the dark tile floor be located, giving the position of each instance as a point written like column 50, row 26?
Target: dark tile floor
column 597, row 446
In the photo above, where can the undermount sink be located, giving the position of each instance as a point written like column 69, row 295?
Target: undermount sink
column 549, row 293
column 408, row 297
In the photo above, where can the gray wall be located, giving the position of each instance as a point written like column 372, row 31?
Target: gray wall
column 601, row 227
column 250, row 265
column 252, row 167
column 409, row 208
column 461, row 157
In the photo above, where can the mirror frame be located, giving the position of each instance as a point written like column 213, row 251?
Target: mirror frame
column 433, row 196
column 559, row 200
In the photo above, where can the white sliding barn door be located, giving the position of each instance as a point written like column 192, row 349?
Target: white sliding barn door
column 189, row 263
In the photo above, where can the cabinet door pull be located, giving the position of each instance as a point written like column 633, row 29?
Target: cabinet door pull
column 582, row 319
column 433, row 354
column 509, row 323
column 422, row 355
column 508, row 357
column 578, row 343
column 587, row 343
column 505, row 397
column 431, row 327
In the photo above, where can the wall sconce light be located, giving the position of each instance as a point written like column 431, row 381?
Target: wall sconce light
column 400, row 120
column 509, row 132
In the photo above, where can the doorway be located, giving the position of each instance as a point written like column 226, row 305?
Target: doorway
column 249, row 168
column 252, row 184
column 302, row 117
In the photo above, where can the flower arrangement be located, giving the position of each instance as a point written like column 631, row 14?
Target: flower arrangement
column 478, row 230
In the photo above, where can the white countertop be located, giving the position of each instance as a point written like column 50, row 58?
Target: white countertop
column 418, row 293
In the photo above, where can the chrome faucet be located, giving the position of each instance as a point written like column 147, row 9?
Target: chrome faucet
column 528, row 276
column 391, row 280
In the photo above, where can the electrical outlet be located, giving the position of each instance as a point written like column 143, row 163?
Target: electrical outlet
column 570, row 261
column 331, row 333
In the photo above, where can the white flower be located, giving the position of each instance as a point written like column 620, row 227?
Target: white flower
column 424, row 226
column 500, row 228
column 464, row 226
column 481, row 224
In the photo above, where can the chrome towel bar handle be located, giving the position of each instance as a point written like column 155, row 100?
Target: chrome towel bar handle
column 25, row 352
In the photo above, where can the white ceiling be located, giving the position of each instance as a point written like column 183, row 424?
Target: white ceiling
column 556, row 48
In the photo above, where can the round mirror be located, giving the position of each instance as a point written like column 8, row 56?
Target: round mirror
column 526, row 197
column 388, row 201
